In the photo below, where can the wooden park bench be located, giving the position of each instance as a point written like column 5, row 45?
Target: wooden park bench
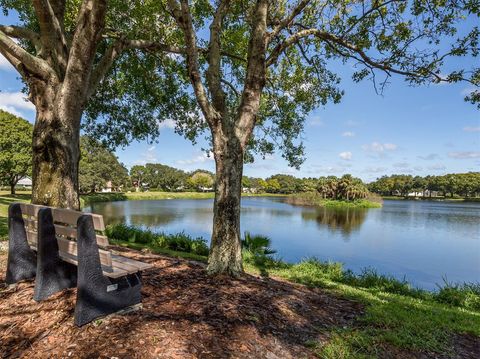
column 61, row 249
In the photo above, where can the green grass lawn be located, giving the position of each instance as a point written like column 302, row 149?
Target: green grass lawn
column 5, row 199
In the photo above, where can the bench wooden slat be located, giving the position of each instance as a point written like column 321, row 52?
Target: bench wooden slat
column 69, row 232
column 66, row 216
column 115, row 272
column 71, row 248
column 131, row 262
column 113, row 266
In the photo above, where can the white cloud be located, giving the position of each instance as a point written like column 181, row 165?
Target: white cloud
column 430, row 157
column 401, row 165
column 348, row 134
column 437, row 167
column 316, row 121
column 168, row 123
column 149, row 156
column 464, row 155
column 471, row 129
column 390, row 146
column 379, row 147
column 204, row 157
column 347, row 155
column 351, row 123
column 5, row 65
column 375, row 169
column 15, row 102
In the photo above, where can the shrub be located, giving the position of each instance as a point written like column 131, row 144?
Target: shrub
column 466, row 295
column 179, row 242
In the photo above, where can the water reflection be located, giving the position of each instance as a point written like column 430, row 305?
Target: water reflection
column 345, row 220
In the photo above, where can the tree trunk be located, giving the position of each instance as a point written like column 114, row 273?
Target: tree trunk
column 12, row 187
column 56, row 150
column 225, row 249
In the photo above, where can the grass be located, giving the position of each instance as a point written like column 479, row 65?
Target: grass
column 5, row 199
column 396, row 314
column 314, row 199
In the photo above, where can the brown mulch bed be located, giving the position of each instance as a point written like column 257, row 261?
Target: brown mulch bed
column 185, row 314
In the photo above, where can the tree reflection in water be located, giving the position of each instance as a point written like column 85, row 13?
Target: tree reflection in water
column 344, row 220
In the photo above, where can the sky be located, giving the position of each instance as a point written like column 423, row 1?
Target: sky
column 427, row 130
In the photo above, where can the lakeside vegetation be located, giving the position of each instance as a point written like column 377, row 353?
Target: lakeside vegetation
column 344, row 192
column 453, row 185
column 396, row 314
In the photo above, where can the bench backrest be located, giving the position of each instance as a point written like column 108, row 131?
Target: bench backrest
column 65, row 222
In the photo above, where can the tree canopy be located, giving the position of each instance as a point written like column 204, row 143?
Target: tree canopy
column 99, row 167
column 15, row 149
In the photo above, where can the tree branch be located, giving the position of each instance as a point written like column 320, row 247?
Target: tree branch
column 32, row 64
column 255, row 74
column 52, row 34
column 21, row 33
column 88, row 33
column 288, row 20
column 331, row 38
column 214, row 58
column 183, row 17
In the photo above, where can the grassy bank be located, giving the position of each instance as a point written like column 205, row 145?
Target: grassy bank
column 132, row 196
column 314, row 199
column 446, row 199
column 397, row 316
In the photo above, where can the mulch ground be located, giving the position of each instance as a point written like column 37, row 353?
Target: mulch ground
column 185, row 314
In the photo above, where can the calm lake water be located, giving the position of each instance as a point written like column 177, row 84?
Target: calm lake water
column 421, row 240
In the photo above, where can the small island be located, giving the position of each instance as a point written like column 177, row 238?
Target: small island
column 344, row 192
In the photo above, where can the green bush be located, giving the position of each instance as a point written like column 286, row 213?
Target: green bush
column 369, row 278
column 465, row 295
column 179, row 242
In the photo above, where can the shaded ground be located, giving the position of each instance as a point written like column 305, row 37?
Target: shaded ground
column 185, row 315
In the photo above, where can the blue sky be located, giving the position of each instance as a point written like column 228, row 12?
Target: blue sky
column 412, row 130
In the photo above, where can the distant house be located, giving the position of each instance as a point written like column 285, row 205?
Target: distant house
column 25, row 183
column 108, row 187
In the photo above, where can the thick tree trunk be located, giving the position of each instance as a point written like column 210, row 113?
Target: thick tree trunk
column 225, row 250
column 56, row 151
column 12, row 188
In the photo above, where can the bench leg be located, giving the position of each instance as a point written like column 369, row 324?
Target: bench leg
column 53, row 274
column 98, row 295
column 22, row 260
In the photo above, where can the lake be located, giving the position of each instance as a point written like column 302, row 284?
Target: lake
column 424, row 241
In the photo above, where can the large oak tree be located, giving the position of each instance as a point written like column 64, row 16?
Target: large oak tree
column 64, row 52
column 261, row 66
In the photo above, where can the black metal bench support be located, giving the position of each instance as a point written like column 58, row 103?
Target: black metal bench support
column 22, row 260
column 53, row 274
column 98, row 295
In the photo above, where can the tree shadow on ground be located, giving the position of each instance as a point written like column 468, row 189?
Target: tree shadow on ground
column 187, row 314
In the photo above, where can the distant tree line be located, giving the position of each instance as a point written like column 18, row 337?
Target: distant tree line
column 453, row 184
column 346, row 187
